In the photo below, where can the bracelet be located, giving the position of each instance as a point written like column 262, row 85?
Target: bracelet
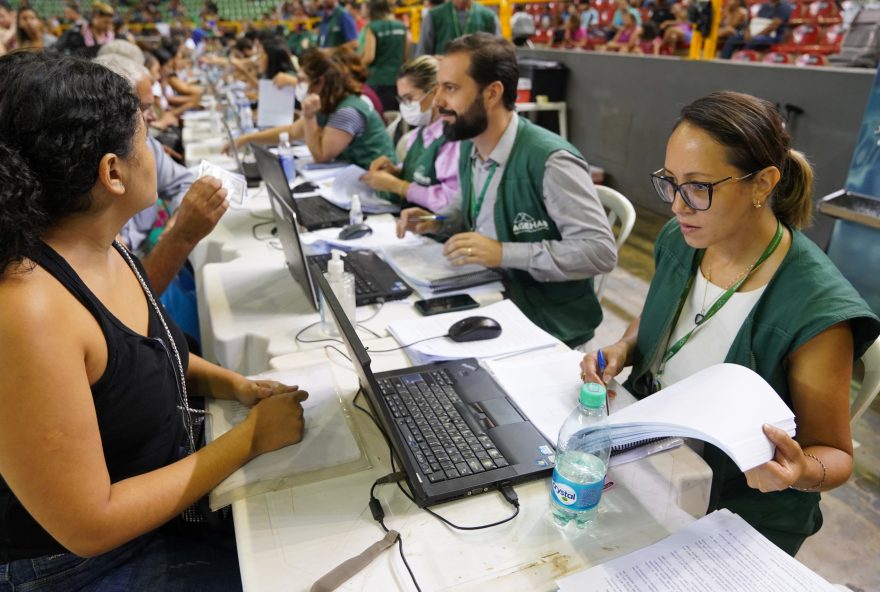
column 821, row 481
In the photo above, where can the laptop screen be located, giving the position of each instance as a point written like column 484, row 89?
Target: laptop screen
column 273, row 174
column 285, row 222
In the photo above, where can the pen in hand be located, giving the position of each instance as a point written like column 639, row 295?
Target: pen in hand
column 600, row 363
column 426, row 218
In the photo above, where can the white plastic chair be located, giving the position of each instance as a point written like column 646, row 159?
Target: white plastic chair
column 393, row 118
column 619, row 208
column 870, row 383
column 400, row 150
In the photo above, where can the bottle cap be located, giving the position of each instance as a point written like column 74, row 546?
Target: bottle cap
column 284, row 137
column 593, row 395
column 335, row 267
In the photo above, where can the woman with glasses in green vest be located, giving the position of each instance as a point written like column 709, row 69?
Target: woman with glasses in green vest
column 736, row 281
column 428, row 176
column 384, row 50
column 336, row 123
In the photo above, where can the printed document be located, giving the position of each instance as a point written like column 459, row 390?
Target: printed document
column 276, row 105
column 720, row 552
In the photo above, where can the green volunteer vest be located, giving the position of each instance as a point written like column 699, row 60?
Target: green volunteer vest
column 447, row 27
column 418, row 166
column 333, row 36
column 806, row 296
column 568, row 310
column 390, row 41
column 372, row 142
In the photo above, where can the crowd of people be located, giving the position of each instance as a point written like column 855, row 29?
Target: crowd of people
column 99, row 448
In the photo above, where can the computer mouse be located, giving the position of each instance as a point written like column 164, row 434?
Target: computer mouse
column 474, row 329
column 353, row 231
column 305, row 187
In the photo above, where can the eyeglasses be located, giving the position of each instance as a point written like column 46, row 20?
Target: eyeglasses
column 412, row 101
column 696, row 194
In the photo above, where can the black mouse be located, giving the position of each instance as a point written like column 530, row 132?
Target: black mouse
column 353, row 231
column 305, row 187
column 474, row 329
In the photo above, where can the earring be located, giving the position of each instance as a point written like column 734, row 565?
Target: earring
column 757, row 205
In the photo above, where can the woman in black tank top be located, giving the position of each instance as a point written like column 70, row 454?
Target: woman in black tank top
column 96, row 430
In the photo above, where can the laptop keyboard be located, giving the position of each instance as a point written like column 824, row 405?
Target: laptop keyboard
column 362, row 284
column 426, row 410
column 317, row 210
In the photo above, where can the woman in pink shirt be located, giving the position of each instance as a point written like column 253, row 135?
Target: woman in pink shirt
column 428, row 175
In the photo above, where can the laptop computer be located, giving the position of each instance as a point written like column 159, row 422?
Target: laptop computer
column 249, row 169
column 313, row 212
column 375, row 281
column 453, row 428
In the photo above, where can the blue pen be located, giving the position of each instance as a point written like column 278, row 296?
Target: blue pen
column 426, row 218
column 600, row 361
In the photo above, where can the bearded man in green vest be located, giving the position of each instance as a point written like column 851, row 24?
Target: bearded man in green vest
column 451, row 20
column 528, row 204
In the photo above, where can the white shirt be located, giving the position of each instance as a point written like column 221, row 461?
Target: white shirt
column 710, row 343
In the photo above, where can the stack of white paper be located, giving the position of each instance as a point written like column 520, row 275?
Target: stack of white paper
column 426, row 269
column 347, row 183
column 315, row 172
column 726, row 405
column 720, row 552
column 518, row 334
column 276, row 105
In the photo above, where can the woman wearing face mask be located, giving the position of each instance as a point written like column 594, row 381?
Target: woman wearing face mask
column 428, row 176
column 335, row 122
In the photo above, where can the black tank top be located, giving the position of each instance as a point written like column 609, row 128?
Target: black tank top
column 135, row 400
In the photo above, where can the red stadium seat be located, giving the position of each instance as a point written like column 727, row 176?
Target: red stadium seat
column 776, row 57
column 746, row 55
column 800, row 15
column 825, row 12
column 805, row 35
column 834, row 35
column 810, row 59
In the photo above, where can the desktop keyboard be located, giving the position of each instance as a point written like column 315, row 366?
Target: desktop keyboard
column 427, row 411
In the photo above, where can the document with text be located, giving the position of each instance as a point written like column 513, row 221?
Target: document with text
column 720, row 552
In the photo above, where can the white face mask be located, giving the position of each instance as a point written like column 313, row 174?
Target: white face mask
column 412, row 114
column 300, row 91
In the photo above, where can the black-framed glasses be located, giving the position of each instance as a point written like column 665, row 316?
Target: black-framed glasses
column 696, row 194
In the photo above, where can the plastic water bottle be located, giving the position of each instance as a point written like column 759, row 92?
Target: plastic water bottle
column 581, row 460
column 246, row 115
column 285, row 156
column 355, row 213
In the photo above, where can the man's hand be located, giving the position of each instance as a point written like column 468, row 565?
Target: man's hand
column 471, row 247
column 411, row 219
column 200, row 210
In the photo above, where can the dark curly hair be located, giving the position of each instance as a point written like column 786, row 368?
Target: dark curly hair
column 59, row 116
column 319, row 64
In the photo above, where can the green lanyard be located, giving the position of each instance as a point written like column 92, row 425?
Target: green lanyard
column 476, row 205
column 455, row 23
column 722, row 300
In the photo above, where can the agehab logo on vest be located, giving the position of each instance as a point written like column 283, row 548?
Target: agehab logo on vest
column 525, row 224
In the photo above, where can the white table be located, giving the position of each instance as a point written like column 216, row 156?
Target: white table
column 289, row 538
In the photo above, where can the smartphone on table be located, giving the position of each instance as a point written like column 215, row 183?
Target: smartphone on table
column 433, row 306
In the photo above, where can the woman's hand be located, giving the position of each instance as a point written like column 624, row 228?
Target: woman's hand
column 283, row 79
column 615, row 361
column 311, row 106
column 250, row 392
column 383, row 163
column 383, row 181
column 276, row 421
column 788, row 466
column 472, row 247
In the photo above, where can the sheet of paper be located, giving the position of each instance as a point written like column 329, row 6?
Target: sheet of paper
column 425, row 263
column 384, row 234
column 276, row 105
column 348, row 183
column 518, row 334
column 718, row 553
column 327, row 442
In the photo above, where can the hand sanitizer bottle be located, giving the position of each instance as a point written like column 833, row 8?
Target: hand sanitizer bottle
column 342, row 284
column 355, row 214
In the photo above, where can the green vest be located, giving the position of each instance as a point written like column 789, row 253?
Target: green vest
column 372, row 142
column 419, row 166
column 806, row 296
column 390, row 41
column 332, row 36
column 444, row 19
column 568, row 310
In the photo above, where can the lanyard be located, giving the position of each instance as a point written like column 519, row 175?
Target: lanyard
column 722, row 300
column 455, row 23
column 476, row 205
